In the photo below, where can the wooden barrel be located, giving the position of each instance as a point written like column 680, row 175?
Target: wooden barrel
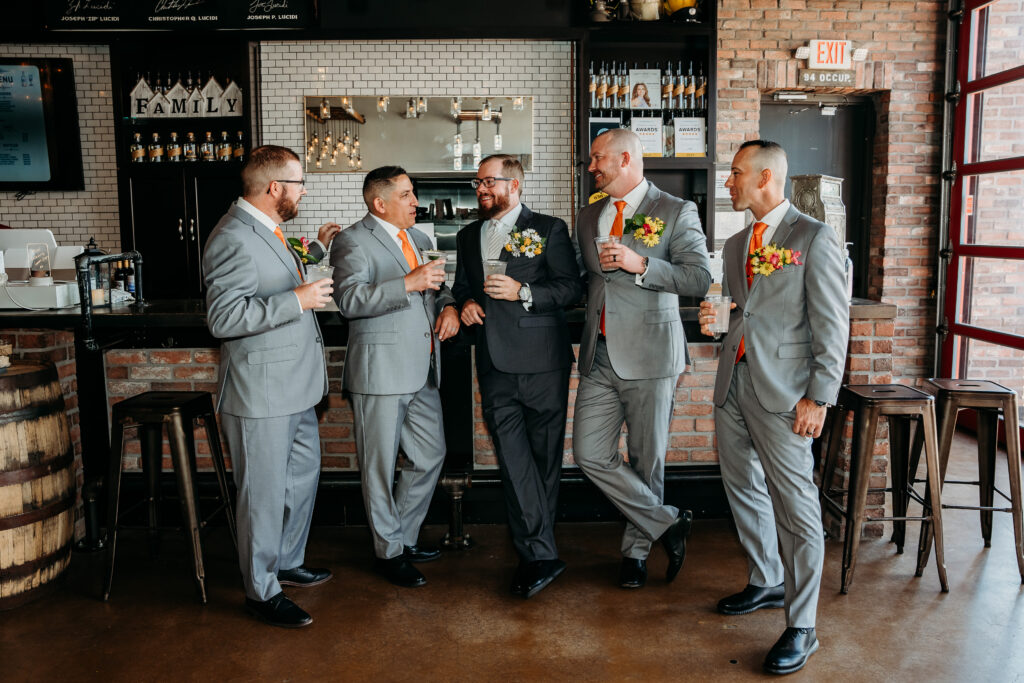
column 37, row 482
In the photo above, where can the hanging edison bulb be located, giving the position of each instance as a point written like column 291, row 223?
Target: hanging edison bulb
column 355, row 142
column 316, row 140
column 319, row 164
column 352, row 162
column 344, row 102
column 359, row 163
column 325, row 109
column 327, row 138
column 334, row 158
column 410, row 109
column 421, row 105
column 497, row 136
column 485, row 113
column 456, row 106
column 382, row 104
column 517, row 103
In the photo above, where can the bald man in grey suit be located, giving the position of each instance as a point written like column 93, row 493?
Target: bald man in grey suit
column 633, row 347
column 781, row 365
column 272, row 373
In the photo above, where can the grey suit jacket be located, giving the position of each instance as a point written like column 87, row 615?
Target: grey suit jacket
column 389, row 330
column 272, row 358
column 795, row 322
column 644, row 333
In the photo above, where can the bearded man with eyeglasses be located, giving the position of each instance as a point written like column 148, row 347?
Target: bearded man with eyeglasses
column 523, row 354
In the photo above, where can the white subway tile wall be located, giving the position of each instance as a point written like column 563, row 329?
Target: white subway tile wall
column 433, row 68
column 75, row 216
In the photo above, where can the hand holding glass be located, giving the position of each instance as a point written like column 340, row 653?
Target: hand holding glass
column 603, row 240
column 493, row 266
column 318, row 271
column 720, row 306
column 433, row 255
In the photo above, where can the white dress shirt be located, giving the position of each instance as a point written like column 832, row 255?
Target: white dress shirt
column 393, row 231
column 503, row 224
column 607, row 217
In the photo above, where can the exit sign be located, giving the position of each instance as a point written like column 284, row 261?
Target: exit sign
column 830, row 54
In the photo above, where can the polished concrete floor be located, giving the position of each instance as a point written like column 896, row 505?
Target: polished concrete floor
column 464, row 626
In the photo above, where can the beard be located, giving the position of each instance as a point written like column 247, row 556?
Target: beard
column 287, row 209
column 500, row 203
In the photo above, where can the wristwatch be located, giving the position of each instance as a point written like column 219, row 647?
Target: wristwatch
column 821, row 403
column 525, row 294
column 646, row 261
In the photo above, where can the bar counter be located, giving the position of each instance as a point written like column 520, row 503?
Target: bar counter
column 166, row 346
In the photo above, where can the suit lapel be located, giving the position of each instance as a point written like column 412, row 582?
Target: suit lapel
column 264, row 233
column 782, row 233
column 386, row 240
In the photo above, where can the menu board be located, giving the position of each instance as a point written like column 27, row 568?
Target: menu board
column 178, row 14
column 23, row 151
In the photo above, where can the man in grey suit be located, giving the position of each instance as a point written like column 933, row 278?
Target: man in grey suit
column 633, row 347
column 523, row 355
column 272, row 373
column 398, row 310
column 781, row 365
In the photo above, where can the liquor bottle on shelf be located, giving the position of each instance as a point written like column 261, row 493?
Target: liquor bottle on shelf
column 702, row 93
column 238, row 152
column 592, row 86
column 206, row 149
column 119, row 275
column 137, row 150
column 689, row 94
column 156, row 149
column 173, row 148
column 224, row 147
column 602, row 86
column 623, row 88
column 611, row 92
column 666, row 87
column 190, row 148
column 129, row 277
column 678, row 87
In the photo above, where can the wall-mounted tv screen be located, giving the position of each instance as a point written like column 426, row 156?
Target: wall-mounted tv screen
column 39, row 136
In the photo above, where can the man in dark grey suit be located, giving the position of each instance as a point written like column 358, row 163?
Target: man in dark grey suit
column 523, row 355
column 781, row 365
column 398, row 310
column 633, row 347
column 272, row 373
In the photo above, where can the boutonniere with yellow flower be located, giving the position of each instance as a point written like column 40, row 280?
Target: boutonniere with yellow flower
column 646, row 229
column 301, row 247
column 526, row 243
column 767, row 260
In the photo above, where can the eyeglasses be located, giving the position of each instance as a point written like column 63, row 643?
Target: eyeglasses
column 300, row 181
column 487, row 182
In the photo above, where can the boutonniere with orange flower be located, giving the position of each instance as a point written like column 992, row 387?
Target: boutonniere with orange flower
column 766, row 260
column 301, row 247
column 526, row 243
column 646, row 229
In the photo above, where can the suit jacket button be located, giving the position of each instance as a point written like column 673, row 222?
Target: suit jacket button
column 746, row 314
column 426, row 334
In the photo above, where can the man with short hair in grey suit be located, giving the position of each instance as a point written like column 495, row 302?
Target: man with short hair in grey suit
column 781, row 365
column 633, row 347
column 272, row 374
column 398, row 310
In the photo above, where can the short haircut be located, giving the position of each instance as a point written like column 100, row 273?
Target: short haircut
column 378, row 183
column 770, row 155
column 264, row 165
column 624, row 140
column 511, row 167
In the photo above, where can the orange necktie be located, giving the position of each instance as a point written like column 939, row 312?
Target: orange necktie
column 410, row 253
column 280, row 236
column 620, row 206
column 755, row 244
column 410, row 258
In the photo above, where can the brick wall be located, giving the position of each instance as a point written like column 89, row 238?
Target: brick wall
column 75, row 216
column 57, row 347
column 905, row 43
column 442, row 68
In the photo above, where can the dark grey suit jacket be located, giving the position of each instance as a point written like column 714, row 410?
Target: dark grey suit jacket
column 513, row 339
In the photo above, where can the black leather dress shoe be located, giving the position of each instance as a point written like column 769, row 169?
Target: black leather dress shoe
column 399, row 571
column 633, row 573
column 519, row 578
column 416, row 553
column 753, row 598
column 279, row 611
column 674, row 540
column 537, row 575
column 303, row 577
column 791, row 651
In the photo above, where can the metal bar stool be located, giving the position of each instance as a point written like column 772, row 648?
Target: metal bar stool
column 177, row 410
column 989, row 400
column 901, row 405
